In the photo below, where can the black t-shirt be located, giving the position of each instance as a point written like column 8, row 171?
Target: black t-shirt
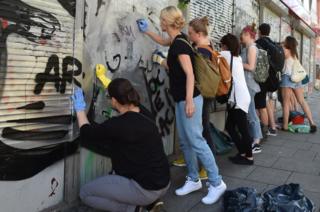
column 135, row 147
column 177, row 76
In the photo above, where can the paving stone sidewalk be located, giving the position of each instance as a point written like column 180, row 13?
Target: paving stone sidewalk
column 286, row 158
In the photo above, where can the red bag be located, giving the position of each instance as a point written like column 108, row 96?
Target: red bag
column 298, row 119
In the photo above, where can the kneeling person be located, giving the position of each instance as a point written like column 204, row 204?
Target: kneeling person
column 135, row 148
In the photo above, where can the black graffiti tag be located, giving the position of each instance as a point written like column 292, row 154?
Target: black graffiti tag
column 59, row 81
column 117, row 59
column 54, row 186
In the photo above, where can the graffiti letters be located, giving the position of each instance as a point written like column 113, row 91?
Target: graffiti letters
column 59, row 81
column 117, row 60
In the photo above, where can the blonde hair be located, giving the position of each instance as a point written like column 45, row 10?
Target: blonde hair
column 173, row 17
column 200, row 25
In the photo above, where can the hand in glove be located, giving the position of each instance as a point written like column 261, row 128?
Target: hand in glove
column 101, row 75
column 158, row 57
column 78, row 100
column 142, row 25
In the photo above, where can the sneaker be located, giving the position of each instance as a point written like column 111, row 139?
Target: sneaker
column 156, row 206
column 180, row 162
column 272, row 132
column 214, row 193
column 188, row 187
column 242, row 161
column 256, row 148
column 203, row 174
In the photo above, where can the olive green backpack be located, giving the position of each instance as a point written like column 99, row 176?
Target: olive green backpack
column 207, row 75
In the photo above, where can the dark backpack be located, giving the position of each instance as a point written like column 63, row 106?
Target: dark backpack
column 222, row 142
column 276, row 62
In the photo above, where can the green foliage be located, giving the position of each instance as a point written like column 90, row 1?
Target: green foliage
column 183, row 4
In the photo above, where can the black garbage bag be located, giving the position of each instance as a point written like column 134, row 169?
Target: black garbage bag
column 242, row 200
column 287, row 198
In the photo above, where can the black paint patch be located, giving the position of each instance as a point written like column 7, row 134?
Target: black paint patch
column 63, row 119
column 33, row 135
column 99, row 4
column 20, row 164
column 69, row 5
column 33, row 106
column 21, row 18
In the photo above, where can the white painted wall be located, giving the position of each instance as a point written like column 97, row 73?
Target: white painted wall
column 33, row 194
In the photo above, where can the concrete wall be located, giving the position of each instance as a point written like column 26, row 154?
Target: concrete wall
column 111, row 37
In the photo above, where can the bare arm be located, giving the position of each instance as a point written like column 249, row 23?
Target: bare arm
column 252, row 57
column 186, row 65
column 82, row 118
column 158, row 39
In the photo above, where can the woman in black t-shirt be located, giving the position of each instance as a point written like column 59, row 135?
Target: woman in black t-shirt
column 135, row 147
column 188, row 104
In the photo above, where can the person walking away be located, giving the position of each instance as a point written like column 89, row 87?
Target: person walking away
column 249, row 57
column 188, row 105
column 135, row 147
column 238, row 103
column 290, row 51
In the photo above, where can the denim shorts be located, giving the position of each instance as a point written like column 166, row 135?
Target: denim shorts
column 287, row 83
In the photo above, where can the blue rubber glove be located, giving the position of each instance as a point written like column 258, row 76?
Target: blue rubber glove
column 78, row 100
column 142, row 25
column 158, row 57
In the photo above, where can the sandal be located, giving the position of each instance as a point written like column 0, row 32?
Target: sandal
column 313, row 128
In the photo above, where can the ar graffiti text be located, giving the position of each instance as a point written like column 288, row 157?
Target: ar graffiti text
column 60, row 80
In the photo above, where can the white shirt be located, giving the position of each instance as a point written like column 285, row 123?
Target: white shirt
column 239, row 92
column 288, row 64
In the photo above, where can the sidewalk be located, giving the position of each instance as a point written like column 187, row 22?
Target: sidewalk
column 287, row 158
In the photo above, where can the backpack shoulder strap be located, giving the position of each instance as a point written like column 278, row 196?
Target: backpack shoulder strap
column 188, row 43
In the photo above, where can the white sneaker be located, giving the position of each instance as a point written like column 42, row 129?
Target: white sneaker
column 214, row 193
column 188, row 187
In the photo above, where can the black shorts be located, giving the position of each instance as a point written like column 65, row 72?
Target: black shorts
column 260, row 99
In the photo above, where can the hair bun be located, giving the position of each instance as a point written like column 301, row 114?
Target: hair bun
column 205, row 20
column 179, row 22
column 254, row 27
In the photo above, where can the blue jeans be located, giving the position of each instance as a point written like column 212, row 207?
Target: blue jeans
column 253, row 119
column 192, row 143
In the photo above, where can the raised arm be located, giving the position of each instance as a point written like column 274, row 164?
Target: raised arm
column 144, row 28
column 252, row 57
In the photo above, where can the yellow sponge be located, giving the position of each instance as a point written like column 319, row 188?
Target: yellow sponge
column 101, row 75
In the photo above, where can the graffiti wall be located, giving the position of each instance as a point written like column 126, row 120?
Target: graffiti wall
column 246, row 12
column 274, row 21
column 38, row 63
column 111, row 37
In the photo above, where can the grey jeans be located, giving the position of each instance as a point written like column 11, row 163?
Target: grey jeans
column 116, row 193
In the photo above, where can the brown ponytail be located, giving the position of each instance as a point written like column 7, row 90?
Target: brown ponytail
column 200, row 25
column 291, row 44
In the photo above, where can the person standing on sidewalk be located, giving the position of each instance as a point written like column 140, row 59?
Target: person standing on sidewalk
column 134, row 144
column 290, row 51
column 188, row 106
column 249, row 57
column 238, row 103
column 198, row 34
column 272, row 84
